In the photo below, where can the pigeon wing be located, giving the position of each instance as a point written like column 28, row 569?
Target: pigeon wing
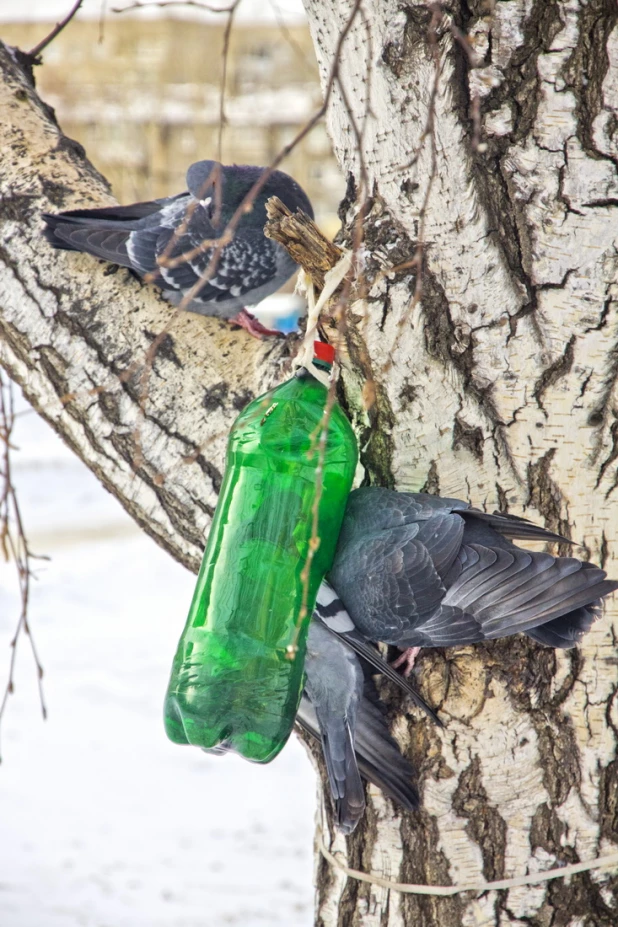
column 512, row 526
column 387, row 583
column 511, row 590
column 245, row 264
column 568, row 630
column 106, row 242
column 391, row 585
column 334, row 684
column 378, row 756
column 105, row 232
column 373, row 509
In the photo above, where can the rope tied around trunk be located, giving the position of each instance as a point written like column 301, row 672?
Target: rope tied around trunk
column 559, row 872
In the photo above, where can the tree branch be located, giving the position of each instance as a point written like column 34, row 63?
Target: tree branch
column 302, row 239
column 76, row 338
column 36, row 51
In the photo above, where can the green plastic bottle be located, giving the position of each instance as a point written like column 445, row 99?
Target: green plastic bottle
column 237, row 677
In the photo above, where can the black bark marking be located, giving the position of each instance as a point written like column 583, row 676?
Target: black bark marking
column 408, row 393
column 578, row 901
column 520, row 90
column 211, row 471
column 468, row 437
column 503, row 499
column 215, row 396
column 558, row 369
column 560, row 758
column 604, row 550
column 613, row 453
column 545, row 494
column 242, row 399
column 609, row 804
column 547, row 831
column 401, row 57
column 432, row 483
column 485, row 825
column 57, row 193
column 423, row 863
column 587, row 66
column 442, row 340
column 18, row 207
column 602, row 318
column 165, row 349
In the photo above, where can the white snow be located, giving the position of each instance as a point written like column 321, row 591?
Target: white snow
column 105, row 823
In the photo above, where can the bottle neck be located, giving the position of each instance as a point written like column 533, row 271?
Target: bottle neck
column 322, row 364
column 303, row 372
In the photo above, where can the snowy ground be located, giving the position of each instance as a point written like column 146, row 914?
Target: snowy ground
column 104, row 823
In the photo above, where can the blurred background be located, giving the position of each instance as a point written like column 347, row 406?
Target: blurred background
column 104, row 822
column 142, row 94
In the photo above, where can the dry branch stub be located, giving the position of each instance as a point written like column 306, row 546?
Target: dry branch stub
column 302, row 239
column 327, row 274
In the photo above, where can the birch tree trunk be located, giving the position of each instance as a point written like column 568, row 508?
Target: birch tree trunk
column 498, row 386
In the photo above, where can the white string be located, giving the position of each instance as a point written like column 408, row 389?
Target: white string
column 560, row 872
column 332, row 279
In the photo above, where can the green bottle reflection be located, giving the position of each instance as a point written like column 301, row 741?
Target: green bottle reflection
column 237, row 675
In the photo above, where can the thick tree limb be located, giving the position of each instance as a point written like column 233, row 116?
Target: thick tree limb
column 76, row 337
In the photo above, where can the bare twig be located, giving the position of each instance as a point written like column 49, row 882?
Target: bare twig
column 302, row 239
column 475, row 101
column 14, row 544
column 225, row 56
column 36, row 51
column 143, row 4
column 289, row 38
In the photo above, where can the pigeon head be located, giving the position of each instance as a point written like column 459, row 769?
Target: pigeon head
column 222, row 188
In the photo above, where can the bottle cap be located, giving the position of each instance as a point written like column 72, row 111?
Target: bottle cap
column 323, row 351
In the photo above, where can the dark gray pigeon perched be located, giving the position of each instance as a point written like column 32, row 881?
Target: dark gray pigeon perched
column 249, row 268
column 416, row 570
column 340, row 707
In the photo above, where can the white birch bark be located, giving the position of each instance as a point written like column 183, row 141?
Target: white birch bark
column 500, row 388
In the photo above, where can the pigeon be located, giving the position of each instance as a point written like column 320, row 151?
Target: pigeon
column 170, row 241
column 416, row 570
column 340, row 707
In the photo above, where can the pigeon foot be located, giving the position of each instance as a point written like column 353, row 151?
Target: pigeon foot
column 253, row 326
column 406, row 659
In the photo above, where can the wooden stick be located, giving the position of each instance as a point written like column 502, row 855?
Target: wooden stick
column 302, row 239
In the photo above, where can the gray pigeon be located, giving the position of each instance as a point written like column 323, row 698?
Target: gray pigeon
column 416, row 570
column 340, row 706
column 146, row 237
